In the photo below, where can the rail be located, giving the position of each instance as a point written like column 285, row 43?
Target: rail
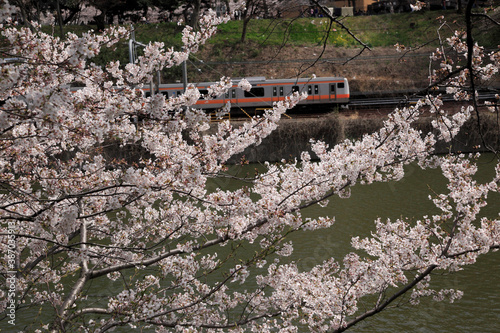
column 398, row 100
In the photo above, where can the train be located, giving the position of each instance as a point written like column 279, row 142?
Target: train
column 321, row 91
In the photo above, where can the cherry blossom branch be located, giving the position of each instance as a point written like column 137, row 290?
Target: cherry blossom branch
column 394, row 297
column 79, row 285
column 470, row 58
column 459, row 254
column 152, row 225
column 327, row 13
column 152, row 318
column 491, row 19
column 235, row 324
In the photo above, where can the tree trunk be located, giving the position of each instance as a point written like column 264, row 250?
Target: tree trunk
column 227, row 7
column 195, row 14
column 100, row 21
column 246, row 20
column 71, row 16
column 59, row 19
column 246, row 16
column 24, row 14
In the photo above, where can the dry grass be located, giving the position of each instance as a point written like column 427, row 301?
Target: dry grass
column 379, row 69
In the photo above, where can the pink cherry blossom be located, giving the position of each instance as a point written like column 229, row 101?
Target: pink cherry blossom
column 101, row 184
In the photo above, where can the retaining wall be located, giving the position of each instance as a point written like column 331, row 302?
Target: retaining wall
column 293, row 136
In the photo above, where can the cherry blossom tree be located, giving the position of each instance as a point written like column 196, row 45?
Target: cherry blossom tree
column 169, row 247
column 252, row 9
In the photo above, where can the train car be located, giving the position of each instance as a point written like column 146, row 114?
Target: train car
column 321, row 91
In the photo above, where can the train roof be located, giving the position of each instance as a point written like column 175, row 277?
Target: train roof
column 261, row 80
column 298, row 80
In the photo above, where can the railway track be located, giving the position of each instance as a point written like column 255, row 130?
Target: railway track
column 403, row 100
column 366, row 106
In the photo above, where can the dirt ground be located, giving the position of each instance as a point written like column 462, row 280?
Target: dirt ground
column 368, row 70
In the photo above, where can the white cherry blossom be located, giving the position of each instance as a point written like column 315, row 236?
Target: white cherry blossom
column 102, row 184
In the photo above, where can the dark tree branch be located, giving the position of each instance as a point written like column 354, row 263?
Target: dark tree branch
column 394, row 297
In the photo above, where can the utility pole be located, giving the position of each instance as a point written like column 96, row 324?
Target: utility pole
column 132, row 55
column 184, row 75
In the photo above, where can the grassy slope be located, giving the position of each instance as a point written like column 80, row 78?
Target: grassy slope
column 288, row 48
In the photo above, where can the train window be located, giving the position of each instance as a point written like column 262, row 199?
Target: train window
column 178, row 93
column 309, row 90
column 203, row 92
column 255, row 92
column 233, row 93
column 281, row 91
column 165, row 93
column 332, row 89
column 316, row 89
column 295, row 89
column 340, row 85
column 226, row 95
column 275, row 91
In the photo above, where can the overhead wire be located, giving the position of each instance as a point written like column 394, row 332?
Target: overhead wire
column 221, row 75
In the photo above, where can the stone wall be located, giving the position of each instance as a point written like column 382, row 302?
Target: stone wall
column 293, row 136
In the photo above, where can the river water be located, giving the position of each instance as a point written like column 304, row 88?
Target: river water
column 477, row 311
column 479, row 308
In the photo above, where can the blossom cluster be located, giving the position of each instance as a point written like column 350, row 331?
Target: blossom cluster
column 107, row 185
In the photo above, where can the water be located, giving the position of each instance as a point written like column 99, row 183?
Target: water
column 479, row 308
column 477, row 311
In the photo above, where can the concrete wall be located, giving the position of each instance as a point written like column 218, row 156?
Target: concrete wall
column 293, row 137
